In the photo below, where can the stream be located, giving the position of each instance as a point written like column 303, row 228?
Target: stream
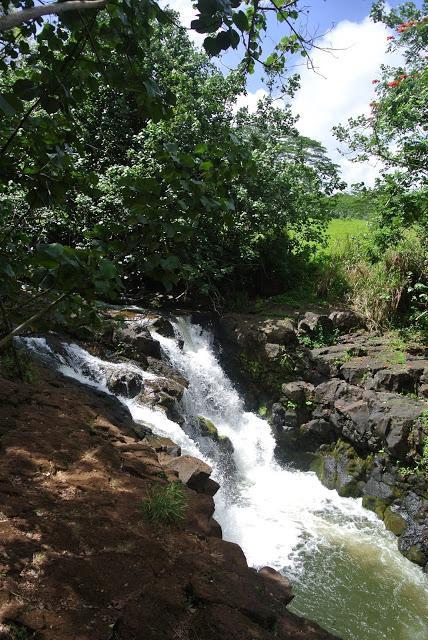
column 347, row 572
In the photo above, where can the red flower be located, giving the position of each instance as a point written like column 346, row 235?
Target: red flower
column 395, row 83
column 375, row 81
column 391, row 38
column 406, row 25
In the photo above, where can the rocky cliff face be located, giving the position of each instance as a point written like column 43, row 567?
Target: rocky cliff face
column 77, row 559
column 356, row 410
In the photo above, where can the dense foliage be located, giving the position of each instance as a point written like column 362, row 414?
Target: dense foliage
column 131, row 172
column 126, row 169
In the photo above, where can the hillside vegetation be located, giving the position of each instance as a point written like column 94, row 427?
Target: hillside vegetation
column 133, row 176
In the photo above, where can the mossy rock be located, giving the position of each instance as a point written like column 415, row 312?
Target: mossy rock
column 341, row 468
column 394, row 521
column 209, row 429
column 415, row 554
column 375, row 504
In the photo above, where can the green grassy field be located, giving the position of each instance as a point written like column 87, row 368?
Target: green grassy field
column 341, row 230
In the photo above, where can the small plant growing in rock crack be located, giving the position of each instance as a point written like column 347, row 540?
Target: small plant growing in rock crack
column 344, row 358
column 290, row 406
column 165, row 505
column 320, row 338
column 366, row 376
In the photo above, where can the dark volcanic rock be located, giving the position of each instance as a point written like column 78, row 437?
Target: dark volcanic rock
column 135, row 340
column 345, row 320
column 125, row 382
column 314, row 322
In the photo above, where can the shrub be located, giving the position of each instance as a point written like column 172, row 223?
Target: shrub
column 165, row 505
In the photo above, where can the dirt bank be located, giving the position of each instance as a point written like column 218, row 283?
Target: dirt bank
column 77, row 559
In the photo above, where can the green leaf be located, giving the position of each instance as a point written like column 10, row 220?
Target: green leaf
column 212, row 46
column 241, row 21
column 9, row 104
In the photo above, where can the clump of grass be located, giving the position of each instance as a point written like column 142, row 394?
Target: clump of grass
column 165, row 505
column 17, row 632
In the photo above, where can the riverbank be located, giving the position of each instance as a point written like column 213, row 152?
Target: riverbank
column 79, row 561
column 349, row 403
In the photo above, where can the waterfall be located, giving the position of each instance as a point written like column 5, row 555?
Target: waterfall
column 348, row 573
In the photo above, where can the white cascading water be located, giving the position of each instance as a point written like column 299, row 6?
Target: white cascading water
column 348, row 573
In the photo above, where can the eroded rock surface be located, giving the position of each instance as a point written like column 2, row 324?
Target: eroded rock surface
column 77, row 559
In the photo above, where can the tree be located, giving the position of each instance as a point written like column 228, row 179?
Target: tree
column 396, row 130
column 55, row 75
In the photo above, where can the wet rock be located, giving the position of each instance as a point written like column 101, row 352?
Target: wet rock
column 377, row 505
column 413, row 543
column 163, row 326
column 164, row 370
column 341, row 469
column 125, row 382
column 135, row 340
column 345, row 320
column 394, row 520
column 195, row 474
column 208, row 428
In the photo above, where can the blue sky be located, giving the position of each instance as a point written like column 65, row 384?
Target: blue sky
column 342, row 88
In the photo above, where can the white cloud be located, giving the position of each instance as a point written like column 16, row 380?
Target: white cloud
column 250, row 100
column 187, row 13
column 344, row 88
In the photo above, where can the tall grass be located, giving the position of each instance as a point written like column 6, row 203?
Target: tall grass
column 379, row 287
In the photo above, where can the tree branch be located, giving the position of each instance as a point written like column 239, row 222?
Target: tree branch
column 4, row 341
column 33, row 13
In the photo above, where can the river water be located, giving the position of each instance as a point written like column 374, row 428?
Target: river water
column 347, row 572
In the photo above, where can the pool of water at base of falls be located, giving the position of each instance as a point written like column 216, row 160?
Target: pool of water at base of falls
column 347, row 572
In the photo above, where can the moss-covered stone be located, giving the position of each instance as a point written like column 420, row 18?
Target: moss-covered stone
column 208, row 428
column 340, row 467
column 415, row 554
column 375, row 504
column 394, row 521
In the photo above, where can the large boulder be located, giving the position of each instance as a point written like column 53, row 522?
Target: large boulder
column 346, row 320
column 298, row 391
column 195, row 474
column 279, row 331
column 313, row 323
column 397, row 379
column 342, row 469
column 163, row 326
column 135, row 340
column 370, row 420
column 125, row 382
column 413, row 543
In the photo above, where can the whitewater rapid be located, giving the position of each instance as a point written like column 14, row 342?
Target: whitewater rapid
column 348, row 573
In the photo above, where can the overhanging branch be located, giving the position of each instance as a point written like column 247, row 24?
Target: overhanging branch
column 32, row 13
